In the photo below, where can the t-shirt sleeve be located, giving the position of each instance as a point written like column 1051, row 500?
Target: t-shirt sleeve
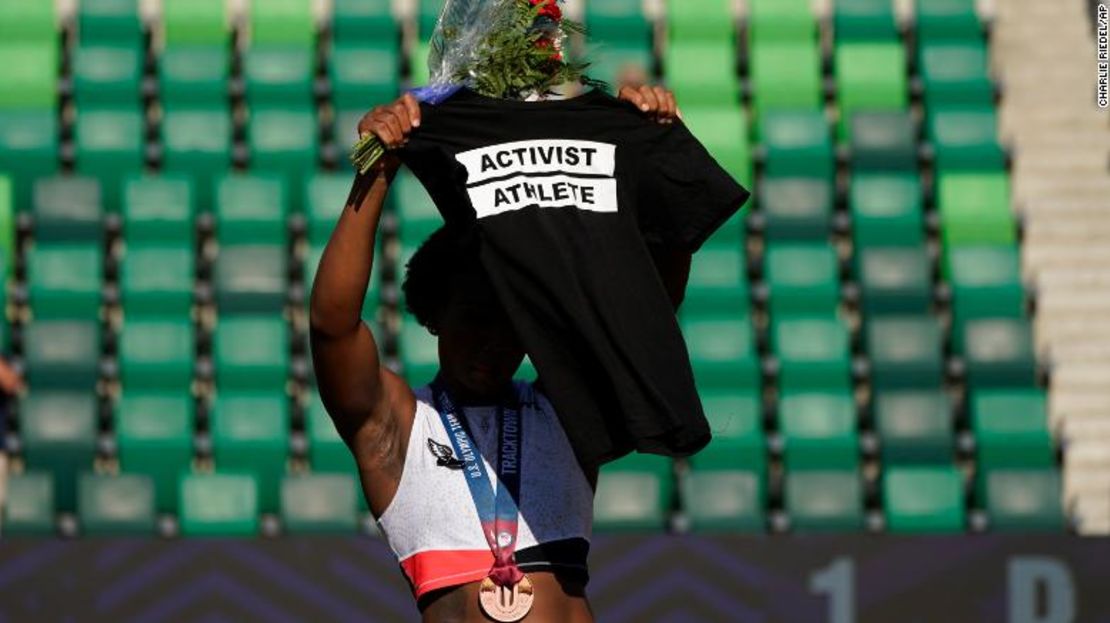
column 683, row 194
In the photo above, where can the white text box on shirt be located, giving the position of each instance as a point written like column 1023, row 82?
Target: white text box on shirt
column 556, row 191
column 539, row 156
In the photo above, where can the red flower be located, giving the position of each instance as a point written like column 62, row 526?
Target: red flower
column 549, row 8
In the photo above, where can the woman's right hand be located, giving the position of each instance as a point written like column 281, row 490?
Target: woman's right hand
column 391, row 123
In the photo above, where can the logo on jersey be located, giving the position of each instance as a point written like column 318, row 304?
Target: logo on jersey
column 444, row 456
column 543, row 173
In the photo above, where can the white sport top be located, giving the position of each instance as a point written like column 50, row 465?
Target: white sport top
column 431, row 523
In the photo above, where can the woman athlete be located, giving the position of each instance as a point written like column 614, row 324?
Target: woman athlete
column 408, row 469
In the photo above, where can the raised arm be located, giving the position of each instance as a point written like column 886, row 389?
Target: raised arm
column 359, row 394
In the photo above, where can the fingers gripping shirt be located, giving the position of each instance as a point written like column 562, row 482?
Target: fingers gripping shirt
column 566, row 197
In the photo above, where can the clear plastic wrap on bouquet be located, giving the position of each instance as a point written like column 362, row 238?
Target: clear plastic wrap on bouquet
column 500, row 48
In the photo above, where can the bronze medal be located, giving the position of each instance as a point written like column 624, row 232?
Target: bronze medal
column 506, row 604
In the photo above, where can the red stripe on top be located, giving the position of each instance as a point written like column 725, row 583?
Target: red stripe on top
column 435, row 569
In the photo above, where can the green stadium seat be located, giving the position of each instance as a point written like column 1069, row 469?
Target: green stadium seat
column 284, row 142
column 7, row 228
column 633, row 494
column 419, row 352
column 220, row 504
column 782, row 20
column 325, row 199
column 346, row 135
column 67, row 209
column 732, row 233
column 812, row 352
column 251, row 209
column 703, row 73
column 883, row 140
column 250, row 432
column 797, row 143
column 250, row 278
column 526, row 371
column 894, row 279
column 283, row 22
column 29, row 144
column 718, row 283
column 363, row 75
column 870, row 76
column 887, row 210
column 197, row 142
column 159, row 208
column 195, row 22
column 326, row 450
column 29, row 509
column 986, row 281
column 417, row 215
column 824, row 500
column 722, row 351
column 107, row 76
column 116, row 505
column 62, row 353
column 418, row 61
column 251, row 352
column 110, row 21
column 157, row 353
column 194, row 77
column 1025, row 500
column 786, row 75
column 154, row 436
column 802, row 277
column 319, row 503
column 358, row 21
column 965, row 139
column 157, row 278
column 1011, row 430
column 30, row 74
column 623, row 21
column 914, row 426
column 58, row 430
column 109, row 147
column 923, row 499
column 905, row 352
column 956, row 73
column 864, row 20
column 620, row 62
column 723, row 501
column 686, row 21
column 736, row 419
column 427, row 15
column 279, row 77
column 28, row 21
column 797, row 208
column 947, row 19
column 65, row 279
column 998, row 352
column 818, row 429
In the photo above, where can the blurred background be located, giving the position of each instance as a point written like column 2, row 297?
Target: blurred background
column 906, row 332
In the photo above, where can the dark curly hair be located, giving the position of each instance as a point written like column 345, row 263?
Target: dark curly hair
column 435, row 268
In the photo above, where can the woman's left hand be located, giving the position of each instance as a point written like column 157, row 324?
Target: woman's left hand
column 654, row 101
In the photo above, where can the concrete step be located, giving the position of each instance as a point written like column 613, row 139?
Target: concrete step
column 1080, row 376
column 1062, row 256
column 1094, row 429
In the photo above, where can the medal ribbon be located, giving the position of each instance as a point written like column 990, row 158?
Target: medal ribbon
column 496, row 510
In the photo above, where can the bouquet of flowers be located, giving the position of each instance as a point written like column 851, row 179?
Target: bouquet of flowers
column 508, row 49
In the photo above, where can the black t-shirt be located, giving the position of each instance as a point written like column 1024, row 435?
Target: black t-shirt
column 566, row 196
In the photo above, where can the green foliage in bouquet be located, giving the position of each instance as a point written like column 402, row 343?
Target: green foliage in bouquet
column 521, row 55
